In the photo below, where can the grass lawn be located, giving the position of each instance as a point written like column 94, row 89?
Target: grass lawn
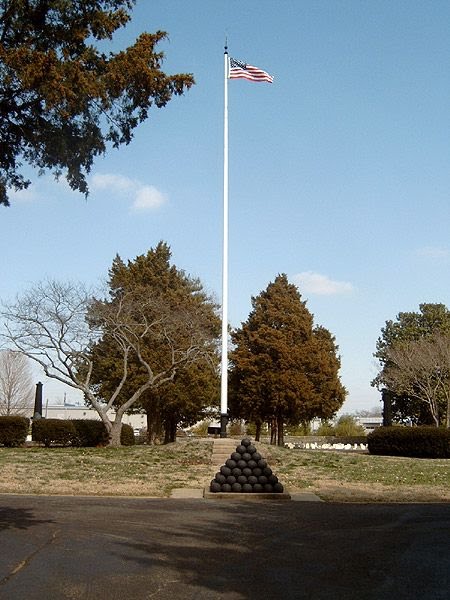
column 156, row 470
column 352, row 477
column 125, row 471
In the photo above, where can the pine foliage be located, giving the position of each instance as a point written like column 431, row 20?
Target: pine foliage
column 283, row 368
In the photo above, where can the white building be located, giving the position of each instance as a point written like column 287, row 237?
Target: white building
column 370, row 423
column 67, row 411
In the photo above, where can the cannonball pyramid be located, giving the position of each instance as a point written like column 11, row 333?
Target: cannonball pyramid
column 247, row 472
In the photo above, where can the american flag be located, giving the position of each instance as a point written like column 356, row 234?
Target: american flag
column 241, row 70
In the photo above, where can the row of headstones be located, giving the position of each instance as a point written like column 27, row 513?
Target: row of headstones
column 246, row 471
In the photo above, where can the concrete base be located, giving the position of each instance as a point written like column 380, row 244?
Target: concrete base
column 245, row 496
column 186, row 493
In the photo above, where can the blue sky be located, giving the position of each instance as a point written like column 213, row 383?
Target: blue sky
column 339, row 170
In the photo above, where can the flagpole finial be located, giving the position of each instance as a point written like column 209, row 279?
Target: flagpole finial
column 226, row 46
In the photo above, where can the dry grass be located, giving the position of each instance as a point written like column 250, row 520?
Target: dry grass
column 125, row 471
column 353, row 477
column 156, row 470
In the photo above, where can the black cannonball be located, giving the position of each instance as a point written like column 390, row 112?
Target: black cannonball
column 241, row 463
column 278, row 488
column 256, row 456
column 215, row 487
column 236, row 487
column 262, row 479
column 242, row 479
column 220, row 478
column 235, row 456
column 257, row 488
column 246, row 442
column 230, row 463
column 241, row 449
column 225, row 470
column 225, row 487
column 257, row 472
column 247, row 488
column 236, row 472
column 273, row 479
column 251, row 449
column 231, row 479
column 268, row 488
column 247, row 472
column 252, row 464
column 262, row 463
column 246, row 456
column 267, row 471
column 252, row 479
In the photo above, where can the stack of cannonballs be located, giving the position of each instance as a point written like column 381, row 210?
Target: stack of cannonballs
column 246, row 471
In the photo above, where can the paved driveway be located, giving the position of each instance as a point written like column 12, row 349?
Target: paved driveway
column 115, row 549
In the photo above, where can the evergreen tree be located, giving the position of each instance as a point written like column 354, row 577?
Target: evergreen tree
column 62, row 99
column 193, row 386
column 282, row 370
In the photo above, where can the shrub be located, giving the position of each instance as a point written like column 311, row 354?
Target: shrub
column 201, row 429
column 235, row 428
column 13, row 430
column 127, row 435
column 325, row 429
column 251, row 429
column 301, row 429
column 90, row 432
column 418, row 442
column 347, row 426
column 54, row 431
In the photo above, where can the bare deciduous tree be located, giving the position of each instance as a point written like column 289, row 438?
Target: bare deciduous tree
column 421, row 369
column 16, row 384
column 57, row 324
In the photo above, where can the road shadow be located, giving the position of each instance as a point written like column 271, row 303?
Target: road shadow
column 289, row 551
column 19, row 518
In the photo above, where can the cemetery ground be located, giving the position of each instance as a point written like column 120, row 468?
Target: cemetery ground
column 154, row 471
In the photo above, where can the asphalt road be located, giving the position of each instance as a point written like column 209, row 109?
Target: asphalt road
column 115, row 549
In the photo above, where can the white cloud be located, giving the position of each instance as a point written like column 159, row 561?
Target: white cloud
column 147, row 198
column 110, row 181
column 143, row 197
column 433, row 252
column 315, row 283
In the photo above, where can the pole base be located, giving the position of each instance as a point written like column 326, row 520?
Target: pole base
column 223, row 425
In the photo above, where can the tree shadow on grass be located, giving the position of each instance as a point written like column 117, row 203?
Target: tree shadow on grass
column 19, row 518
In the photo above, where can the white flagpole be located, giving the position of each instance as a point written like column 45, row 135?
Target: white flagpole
column 224, row 362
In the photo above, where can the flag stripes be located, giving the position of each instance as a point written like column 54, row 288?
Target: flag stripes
column 241, row 70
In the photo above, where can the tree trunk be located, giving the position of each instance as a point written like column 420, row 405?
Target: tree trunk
column 273, row 431
column 170, row 430
column 114, row 434
column 258, row 431
column 280, row 429
column 154, row 427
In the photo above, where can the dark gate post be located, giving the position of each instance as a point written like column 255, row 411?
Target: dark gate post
column 386, row 396
column 38, row 402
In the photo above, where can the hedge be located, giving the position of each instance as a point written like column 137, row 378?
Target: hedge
column 13, row 430
column 54, row 431
column 90, row 432
column 77, row 432
column 127, row 435
column 417, row 442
